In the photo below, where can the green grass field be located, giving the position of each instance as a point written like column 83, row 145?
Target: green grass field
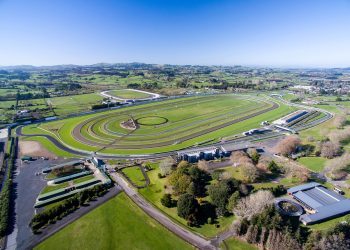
column 73, row 104
column 236, row 244
column 135, row 175
column 117, row 224
column 66, row 184
column 176, row 123
column 128, row 94
column 315, row 164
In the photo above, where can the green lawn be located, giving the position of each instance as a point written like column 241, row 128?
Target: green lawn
column 117, row 224
column 289, row 182
column 135, row 175
column 66, row 184
column 128, row 94
column 74, row 104
column 154, row 192
column 315, row 164
column 236, row 244
column 54, row 187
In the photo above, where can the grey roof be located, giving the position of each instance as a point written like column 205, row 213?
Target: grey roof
column 70, row 163
column 310, row 202
column 327, row 212
column 233, row 147
column 317, row 196
column 303, row 187
column 197, row 151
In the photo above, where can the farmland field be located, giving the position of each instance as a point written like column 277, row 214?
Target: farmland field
column 162, row 126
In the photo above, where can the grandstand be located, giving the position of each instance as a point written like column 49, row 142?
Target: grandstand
column 291, row 118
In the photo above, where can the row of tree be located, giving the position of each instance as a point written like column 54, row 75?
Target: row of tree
column 68, row 206
column 5, row 195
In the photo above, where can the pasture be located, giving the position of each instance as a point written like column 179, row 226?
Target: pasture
column 117, row 224
column 163, row 126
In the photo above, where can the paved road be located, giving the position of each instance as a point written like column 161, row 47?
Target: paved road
column 183, row 233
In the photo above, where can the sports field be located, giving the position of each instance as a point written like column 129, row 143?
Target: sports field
column 128, row 94
column 117, row 224
column 162, row 126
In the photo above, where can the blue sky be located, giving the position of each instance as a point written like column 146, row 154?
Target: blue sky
column 282, row 33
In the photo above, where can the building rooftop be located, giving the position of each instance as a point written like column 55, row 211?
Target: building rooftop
column 326, row 204
column 303, row 187
column 327, row 212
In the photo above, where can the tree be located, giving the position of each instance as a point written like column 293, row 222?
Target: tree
column 254, row 155
column 191, row 189
column 250, row 173
column 253, row 204
column 233, row 200
column 339, row 121
column 183, row 176
column 167, row 201
column 220, row 192
column 166, row 166
column 329, row 149
column 183, row 164
column 240, row 158
column 203, row 165
column 182, row 184
column 273, row 167
column 187, row 205
column 288, row 145
column 337, row 167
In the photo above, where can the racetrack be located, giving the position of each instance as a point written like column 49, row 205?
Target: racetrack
column 164, row 126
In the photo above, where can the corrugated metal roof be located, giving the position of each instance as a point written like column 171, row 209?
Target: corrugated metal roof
column 319, row 196
column 330, row 193
column 327, row 212
column 309, row 201
column 303, row 187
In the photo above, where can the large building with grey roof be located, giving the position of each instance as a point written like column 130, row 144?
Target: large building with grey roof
column 320, row 203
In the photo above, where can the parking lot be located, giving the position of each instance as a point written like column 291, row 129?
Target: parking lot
column 27, row 185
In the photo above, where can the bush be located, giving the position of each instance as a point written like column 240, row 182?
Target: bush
column 167, row 201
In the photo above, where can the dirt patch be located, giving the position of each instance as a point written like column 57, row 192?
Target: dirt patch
column 34, row 148
column 129, row 124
